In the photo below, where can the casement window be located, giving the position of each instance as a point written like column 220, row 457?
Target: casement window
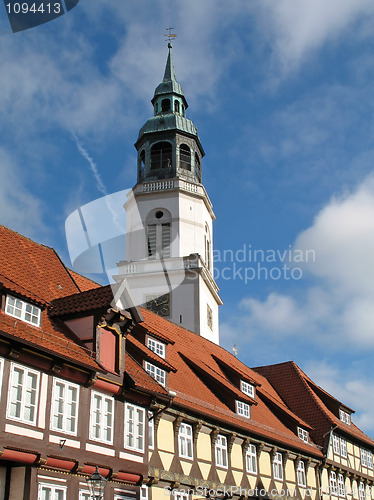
column 23, row 310
column 180, row 495
column 151, row 431
column 221, row 451
column 84, row 495
column 361, row 491
column 156, row 346
column 345, row 417
column 23, row 394
column 144, row 493
column 134, row 427
column 251, row 459
column 302, row 434
column 301, row 477
column 102, row 417
column 65, row 404
column 343, row 447
column 341, row 486
column 369, row 459
column 333, row 484
column 1, row 373
column 185, row 441
column 247, row 388
column 51, row 492
column 156, row 372
column 336, row 444
column 243, row 409
column 278, row 466
column 364, row 457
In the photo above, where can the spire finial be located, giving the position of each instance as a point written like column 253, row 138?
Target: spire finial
column 169, row 36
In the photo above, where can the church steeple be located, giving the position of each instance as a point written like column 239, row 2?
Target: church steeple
column 168, row 145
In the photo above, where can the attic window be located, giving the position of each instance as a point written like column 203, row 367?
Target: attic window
column 345, row 417
column 23, row 310
column 243, row 409
column 156, row 346
column 156, row 372
column 247, row 388
column 303, row 434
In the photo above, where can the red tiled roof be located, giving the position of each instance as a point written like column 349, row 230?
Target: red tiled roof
column 303, row 396
column 35, row 270
column 196, row 394
column 141, row 378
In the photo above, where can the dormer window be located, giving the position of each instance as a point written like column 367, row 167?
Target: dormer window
column 345, row 417
column 23, row 310
column 243, row 409
column 247, row 388
column 157, row 347
column 157, row 373
column 303, row 434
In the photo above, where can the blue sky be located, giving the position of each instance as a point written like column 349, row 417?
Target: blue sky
column 282, row 95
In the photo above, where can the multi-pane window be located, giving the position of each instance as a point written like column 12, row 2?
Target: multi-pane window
column 151, row 431
column 134, row 427
column 363, row 457
column 247, row 388
column 84, row 495
column 243, row 409
column 341, row 487
column 221, row 451
column 23, row 394
column 23, row 310
column 343, row 447
column 278, row 466
column 156, row 372
column 361, row 491
column 333, row 483
column 156, row 346
column 64, row 414
column 185, row 441
column 369, row 459
column 336, row 444
column 181, row 495
column 303, row 434
column 102, row 415
column 1, row 372
column 51, row 492
column 251, row 459
column 301, row 477
column 345, row 417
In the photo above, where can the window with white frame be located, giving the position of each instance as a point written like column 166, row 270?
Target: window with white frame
column 151, row 431
column 369, row 459
column 102, row 417
column 84, row 495
column 361, row 491
column 343, row 447
column 23, row 394
column 180, row 495
column 156, row 346
column 247, row 388
column 23, row 310
column 336, row 444
column 278, row 466
column 364, row 457
column 64, row 412
column 251, row 459
column 301, row 477
column 144, row 493
column 156, row 372
column 345, row 417
column 185, row 441
column 1, row 373
column 303, row 434
column 243, row 409
column 221, row 451
column 333, row 483
column 51, row 492
column 341, row 486
column 134, row 427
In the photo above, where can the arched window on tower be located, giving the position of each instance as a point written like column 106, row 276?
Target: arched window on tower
column 141, row 164
column 165, row 105
column 158, row 233
column 176, row 106
column 156, row 108
column 208, row 249
column 185, row 157
column 161, row 155
column 197, row 168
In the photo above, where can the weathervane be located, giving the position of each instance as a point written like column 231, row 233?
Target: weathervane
column 169, row 36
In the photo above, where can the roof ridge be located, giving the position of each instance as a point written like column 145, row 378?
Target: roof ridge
column 25, row 237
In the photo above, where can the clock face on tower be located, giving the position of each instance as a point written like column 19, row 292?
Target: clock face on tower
column 159, row 305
